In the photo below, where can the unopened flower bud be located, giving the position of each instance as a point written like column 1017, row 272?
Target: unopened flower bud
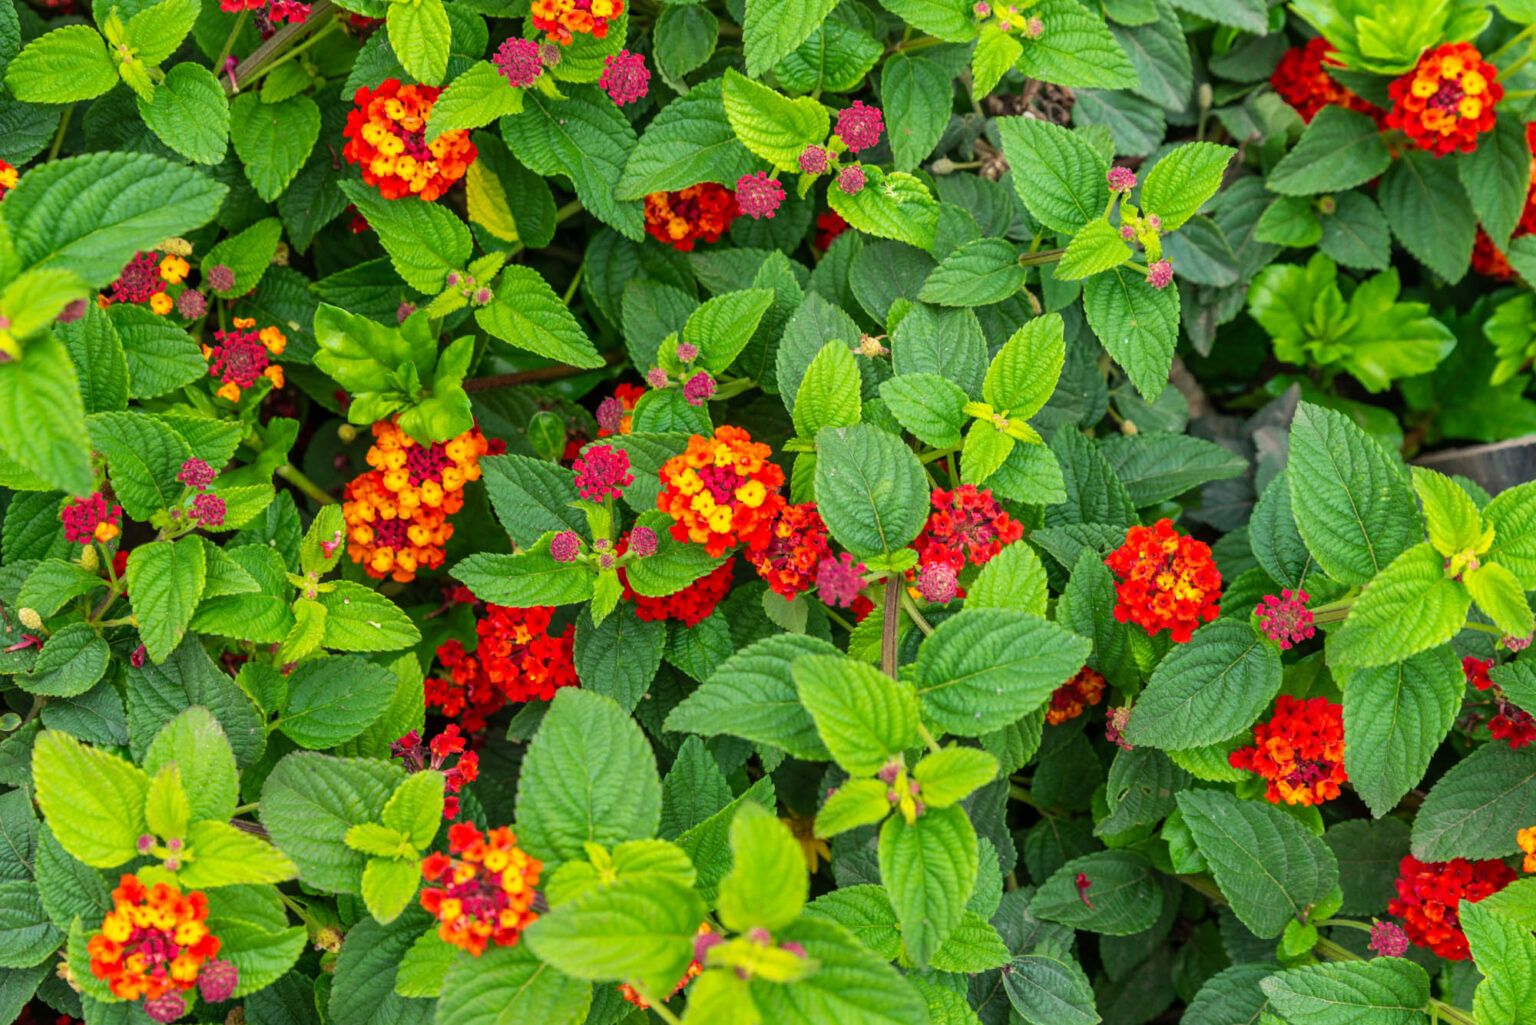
column 347, row 433
column 88, row 558
column 145, row 843
column 686, row 352
column 757, row 934
column 656, row 377
column 642, row 542
column 403, row 311
column 792, row 948
column 29, row 618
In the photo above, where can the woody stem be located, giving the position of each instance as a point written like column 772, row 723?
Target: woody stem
column 1044, row 256
column 318, row 14
column 549, row 373
column 889, row 624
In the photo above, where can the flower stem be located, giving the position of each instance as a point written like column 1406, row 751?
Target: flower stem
column 293, row 476
column 658, row 1008
column 291, row 54
column 321, row 12
column 1513, row 42
column 928, row 738
column 549, row 373
column 913, row 613
column 229, row 44
column 1044, row 256
column 58, row 136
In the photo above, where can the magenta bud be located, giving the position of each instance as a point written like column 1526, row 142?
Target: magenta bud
column 703, row 942
column 757, row 934
column 792, row 948
column 145, row 843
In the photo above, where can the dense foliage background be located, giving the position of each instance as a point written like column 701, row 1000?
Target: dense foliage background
column 783, row 511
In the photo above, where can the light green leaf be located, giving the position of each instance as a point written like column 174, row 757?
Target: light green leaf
column 1500, row 595
column 929, row 869
column 978, row 273
column 62, row 66
column 1057, row 173
column 165, row 584
column 1137, row 324
column 1513, row 515
column 1455, row 525
column 527, row 314
column 1076, row 49
column 863, row 716
column 195, row 743
column 42, row 419
column 772, row 126
column 506, row 985
column 1410, row 607
column 425, row 241
column 870, row 489
column 219, row 854
column 1180, row 183
column 389, row 885
column 189, row 113
column 93, row 801
column 1094, row 249
column 829, row 392
column 419, row 35
column 767, row 885
column 1023, row 374
column 892, row 205
column 773, row 28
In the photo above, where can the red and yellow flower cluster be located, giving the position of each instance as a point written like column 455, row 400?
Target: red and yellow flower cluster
column 485, row 894
column 794, row 552
column 1302, row 80
column 563, row 20
column 722, row 491
column 240, row 358
column 434, row 755
column 698, row 213
column 1447, row 100
column 1168, row 581
column 397, row 513
column 1071, row 698
column 1300, row 751
column 965, row 526
column 1526, row 838
column 1429, row 896
column 144, row 280
column 386, row 138
column 91, row 519
column 515, row 659
column 155, row 940
column 9, row 176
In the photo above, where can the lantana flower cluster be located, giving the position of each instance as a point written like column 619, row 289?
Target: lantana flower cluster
column 515, row 659
column 155, row 944
column 1509, row 723
column 1447, row 100
column 616, row 414
column 563, row 20
column 1299, row 751
column 434, row 755
column 1302, row 80
column 722, row 491
column 240, row 358
column 1429, row 896
column 698, row 213
column 91, row 518
column 481, row 891
column 794, row 553
column 1168, row 581
column 386, row 139
column 148, row 279
column 397, row 513
column 1086, row 688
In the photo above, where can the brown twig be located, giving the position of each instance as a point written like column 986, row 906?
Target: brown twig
column 549, row 373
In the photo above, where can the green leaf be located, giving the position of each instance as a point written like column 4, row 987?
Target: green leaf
column 1057, row 173
column 165, row 584
column 773, row 28
column 189, row 113
column 248, row 254
column 366, row 969
column 870, row 489
column 332, row 699
column 952, row 774
column 690, row 140
column 219, row 854
column 527, row 314
column 27, row 937
column 773, row 127
column 588, row 139
column 1024, row 372
column 93, row 801
column 71, row 662
column 767, row 885
column 985, row 668
column 930, row 406
column 1208, row 690
column 893, row 205
column 161, row 357
column 1455, row 524
column 974, row 946
column 309, row 823
column 834, row 58
column 1410, row 607
column 1014, row 578
column 1351, row 502
column 721, row 327
column 505, row 985
column 589, row 777
column 473, row 99
column 419, row 35
column 1159, row 54
column 829, row 392
column 752, row 695
column 1429, row 213
column 1505, row 952
column 1124, row 894
column 996, row 52
column 97, row 352
column 1076, row 49
column 525, row 580
column 358, row 618
column 853, row 986
column 863, row 716
column 1395, row 717
column 1513, row 516
column 1180, row 183
column 62, row 66
column 426, row 965
column 1050, row 987
column 916, row 93
column 389, row 885
column 986, row 449
column 1497, row 176
column 90, row 214
column 1339, row 149
column 42, row 419
column 195, row 743
column 978, row 273
column 1269, row 865
column 1155, row 467
column 416, row 808
column 157, row 30
column 858, row 802
column 273, row 140
column 144, row 455
column 638, row 929
column 1499, row 594
column 1475, row 809
column 1356, row 233
column 53, row 583
column 1137, row 324
column 1094, row 249
column 929, row 869
column 425, row 241
column 1383, row 991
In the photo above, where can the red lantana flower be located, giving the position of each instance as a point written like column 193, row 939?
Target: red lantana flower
column 516, row 659
column 690, row 606
column 1168, row 581
column 698, row 213
column 799, row 545
column 386, row 138
column 485, row 894
column 722, row 491
column 1429, row 896
column 1070, row 699
column 1300, row 751
column 966, row 526
column 1302, row 80
column 1447, row 100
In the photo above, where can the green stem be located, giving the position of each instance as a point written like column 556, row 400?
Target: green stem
column 58, row 136
column 291, row 54
column 836, row 617
column 1517, row 64
column 937, row 454
column 549, row 373
column 913, row 613
column 928, row 738
column 229, row 44
column 570, row 291
column 245, row 808
column 1044, row 256
column 1485, row 628
column 661, row 1010
column 293, row 476
column 1347, row 923
column 1512, row 42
